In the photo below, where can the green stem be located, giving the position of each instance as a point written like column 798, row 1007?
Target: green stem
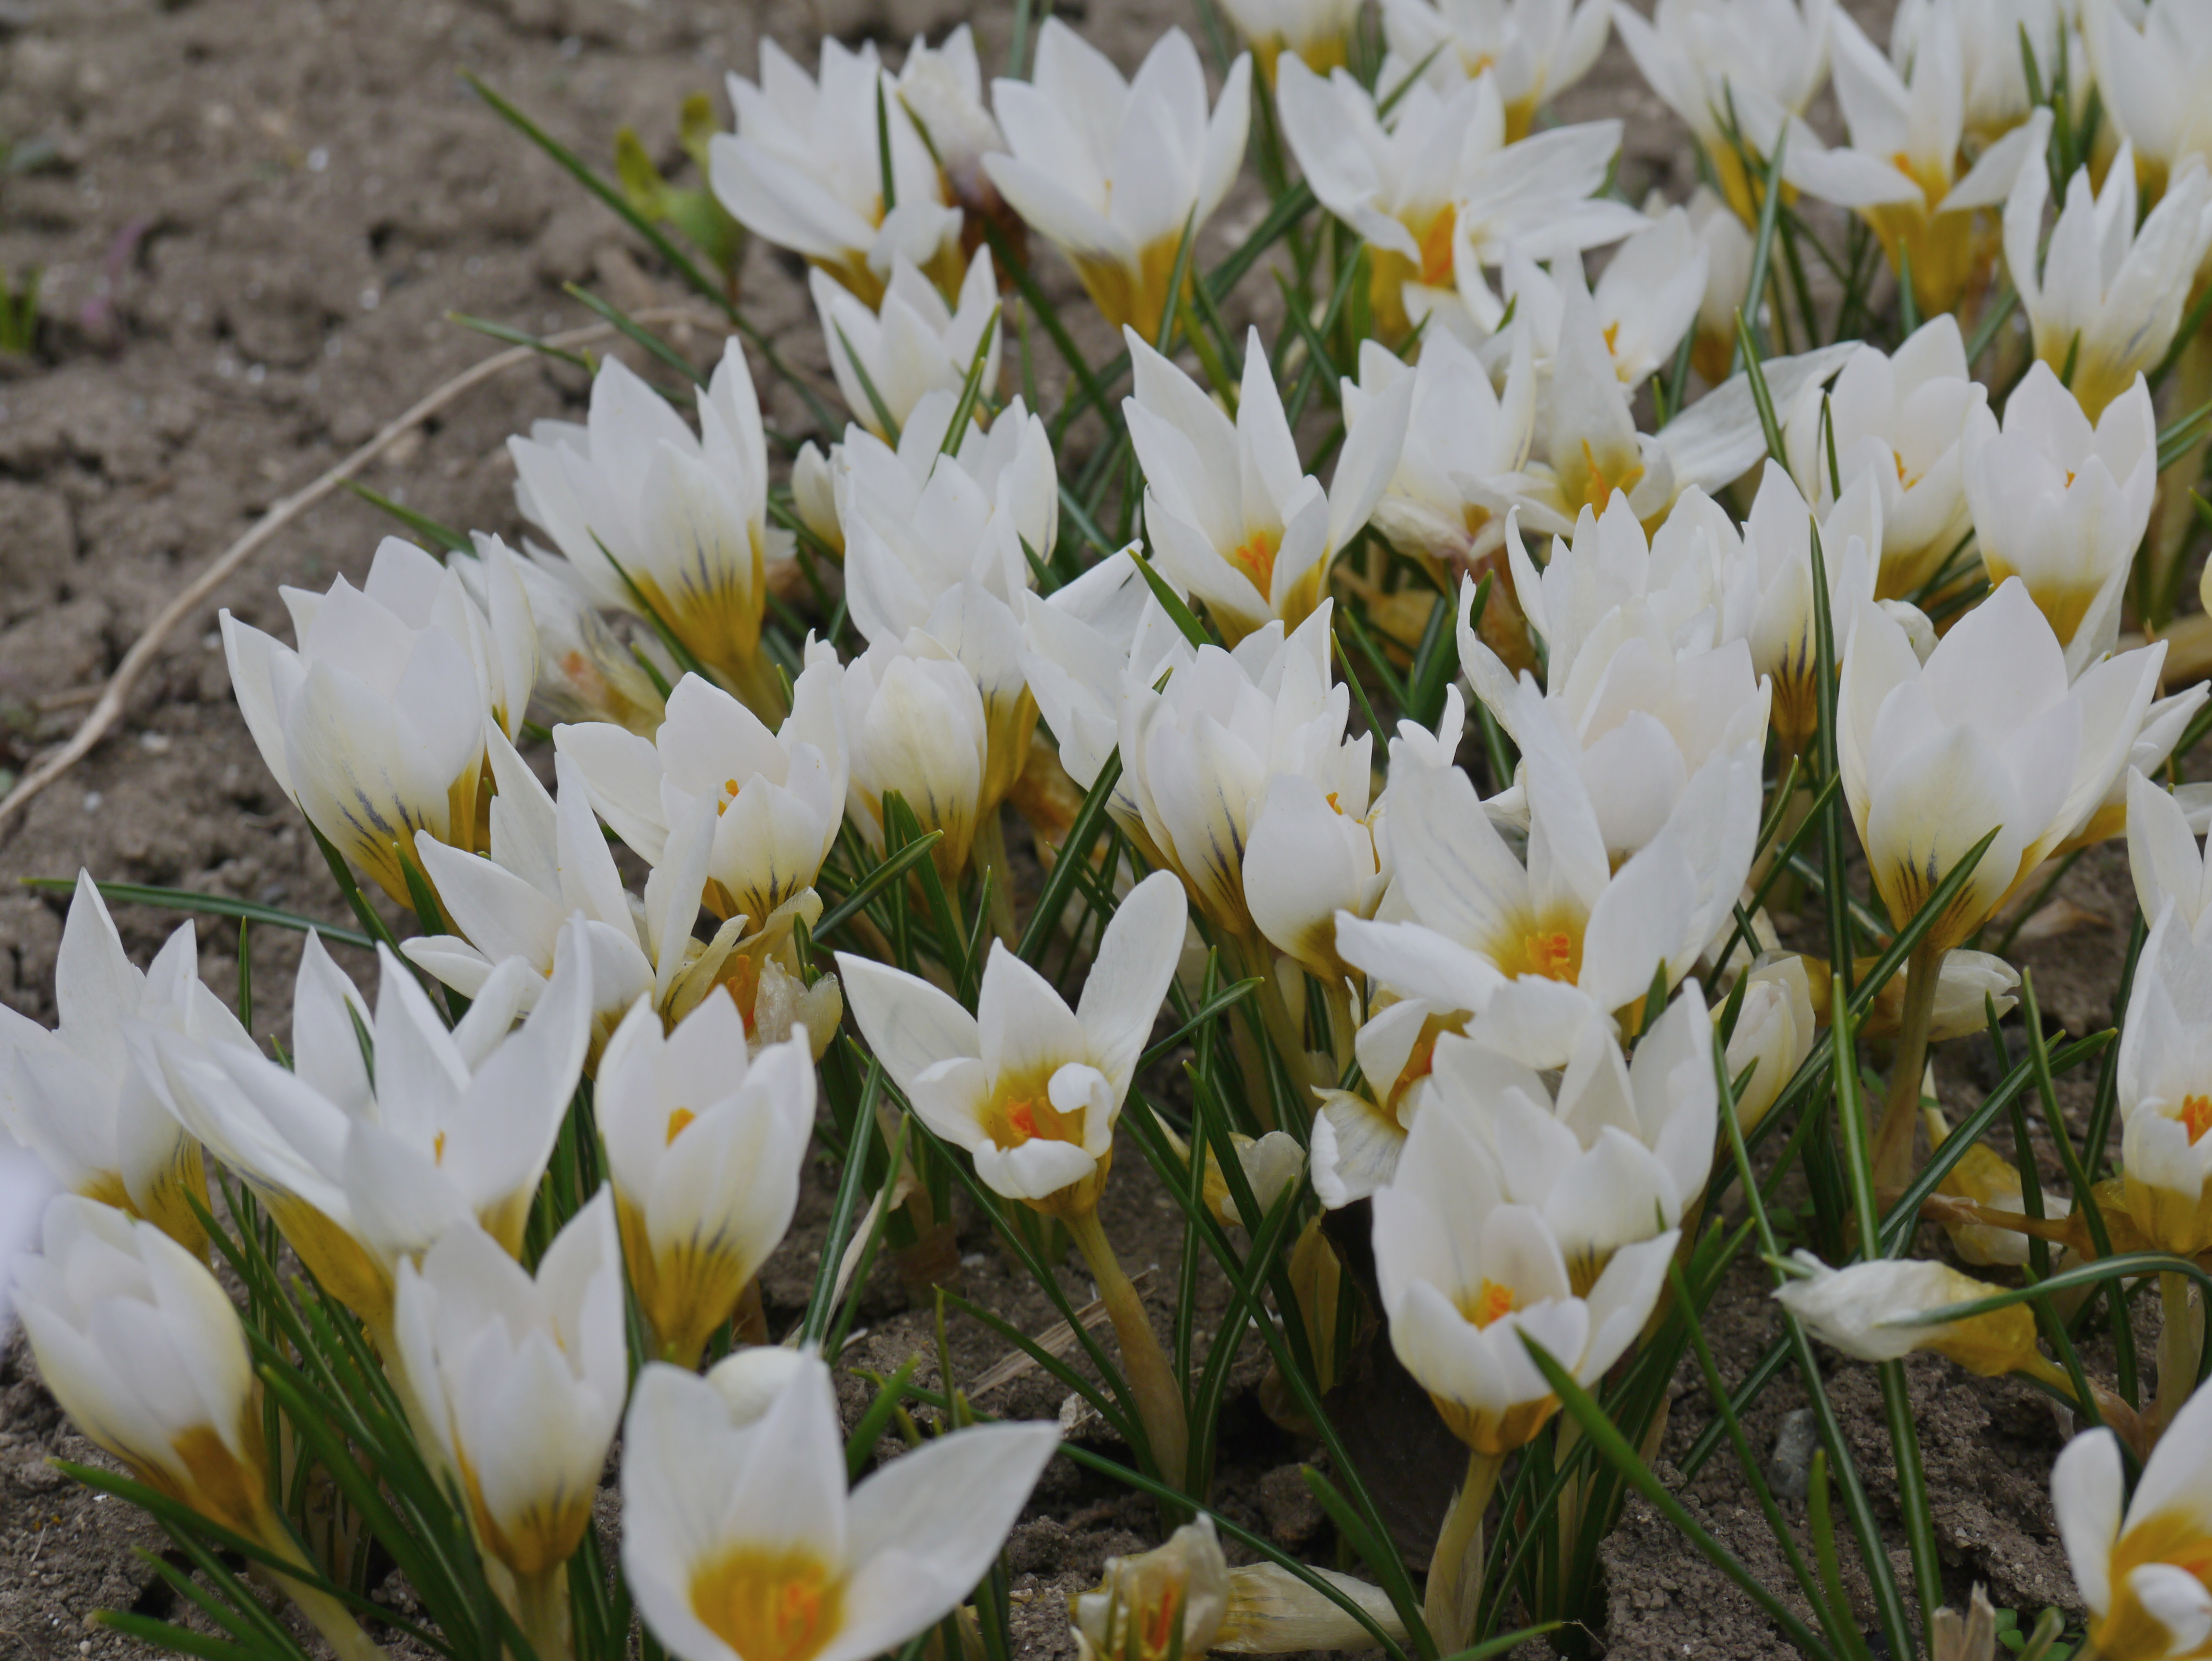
column 541, row 1610
column 2178, row 1347
column 324, row 1613
column 1900, row 1116
column 1151, row 1376
column 988, row 853
column 1456, row 1566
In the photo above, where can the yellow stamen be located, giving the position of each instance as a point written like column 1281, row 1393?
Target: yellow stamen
column 1437, row 248
column 1490, row 1301
column 681, row 1117
column 1257, row 559
column 2196, row 1114
column 438, row 1148
column 1601, row 486
column 1551, row 953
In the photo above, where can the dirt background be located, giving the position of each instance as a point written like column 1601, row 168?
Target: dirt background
column 252, row 216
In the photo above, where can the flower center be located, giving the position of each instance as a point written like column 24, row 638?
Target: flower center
column 681, row 1117
column 1015, row 1119
column 2196, row 1114
column 1603, row 484
column 1437, row 248
column 1257, row 559
column 730, row 791
column 1489, row 1302
column 1551, row 953
column 780, row 1606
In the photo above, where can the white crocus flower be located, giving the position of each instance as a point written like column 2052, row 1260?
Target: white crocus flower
column 663, row 523
column 1591, row 447
column 1306, row 859
column 806, row 170
column 943, row 543
column 2163, row 725
column 705, row 1149
column 942, row 88
column 1986, row 735
column 1778, row 551
column 550, row 862
column 909, row 345
column 1198, row 756
column 741, row 1544
column 917, row 723
column 1902, row 417
column 2063, row 505
column 1764, row 60
column 1646, row 298
column 520, row 1379
column 1466, row 1276
column 1317, row 32
column 365, row 1153
column 375, row 725
column 1435, row 185
column 1616, row 1153
column 777, row 797
column 586, row 670
column 1442, row 505
column 73, row 1098
column 2166, row 1089
column 2141, row 1563
column 1232, row 512
column 1536, row 49
column 1684, row 581
column 1729, row 251
column 2152, row 63
column 1565, row 929
column 1996, row 96
column 2105, row 298
column 1027, row 1086
column 1902, row 171
column 1870, row 1311
column 1079, row 644
column 1358, row 1136
column 142, row 1349
column 1774, row 1034
column 1184, row 1591
column 1113, row 172
column 2163, row 856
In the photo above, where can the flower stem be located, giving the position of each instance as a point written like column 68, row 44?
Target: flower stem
column 324, row 1613
column 2180, row 1344
column 541, row 1608
column 1152, row 1376
column 1454, row 1590
column 1900, row 1116
column 988, row 853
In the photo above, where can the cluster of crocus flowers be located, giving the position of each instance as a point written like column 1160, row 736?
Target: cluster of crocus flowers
column 643, row 780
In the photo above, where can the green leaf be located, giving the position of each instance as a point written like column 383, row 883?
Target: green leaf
column 632, row 329
column 213, row 905
column 1609, row 1442
column 892, row 868
column 441, row 536
column 1178, row 611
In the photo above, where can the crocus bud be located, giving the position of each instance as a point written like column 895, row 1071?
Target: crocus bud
column 139, row 1345
column 520, row 1379
column 1871, row 1312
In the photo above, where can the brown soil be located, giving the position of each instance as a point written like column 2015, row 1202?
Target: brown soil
column 253, row 219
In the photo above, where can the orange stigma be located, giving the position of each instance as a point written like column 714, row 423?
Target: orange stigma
column 1256, row 558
